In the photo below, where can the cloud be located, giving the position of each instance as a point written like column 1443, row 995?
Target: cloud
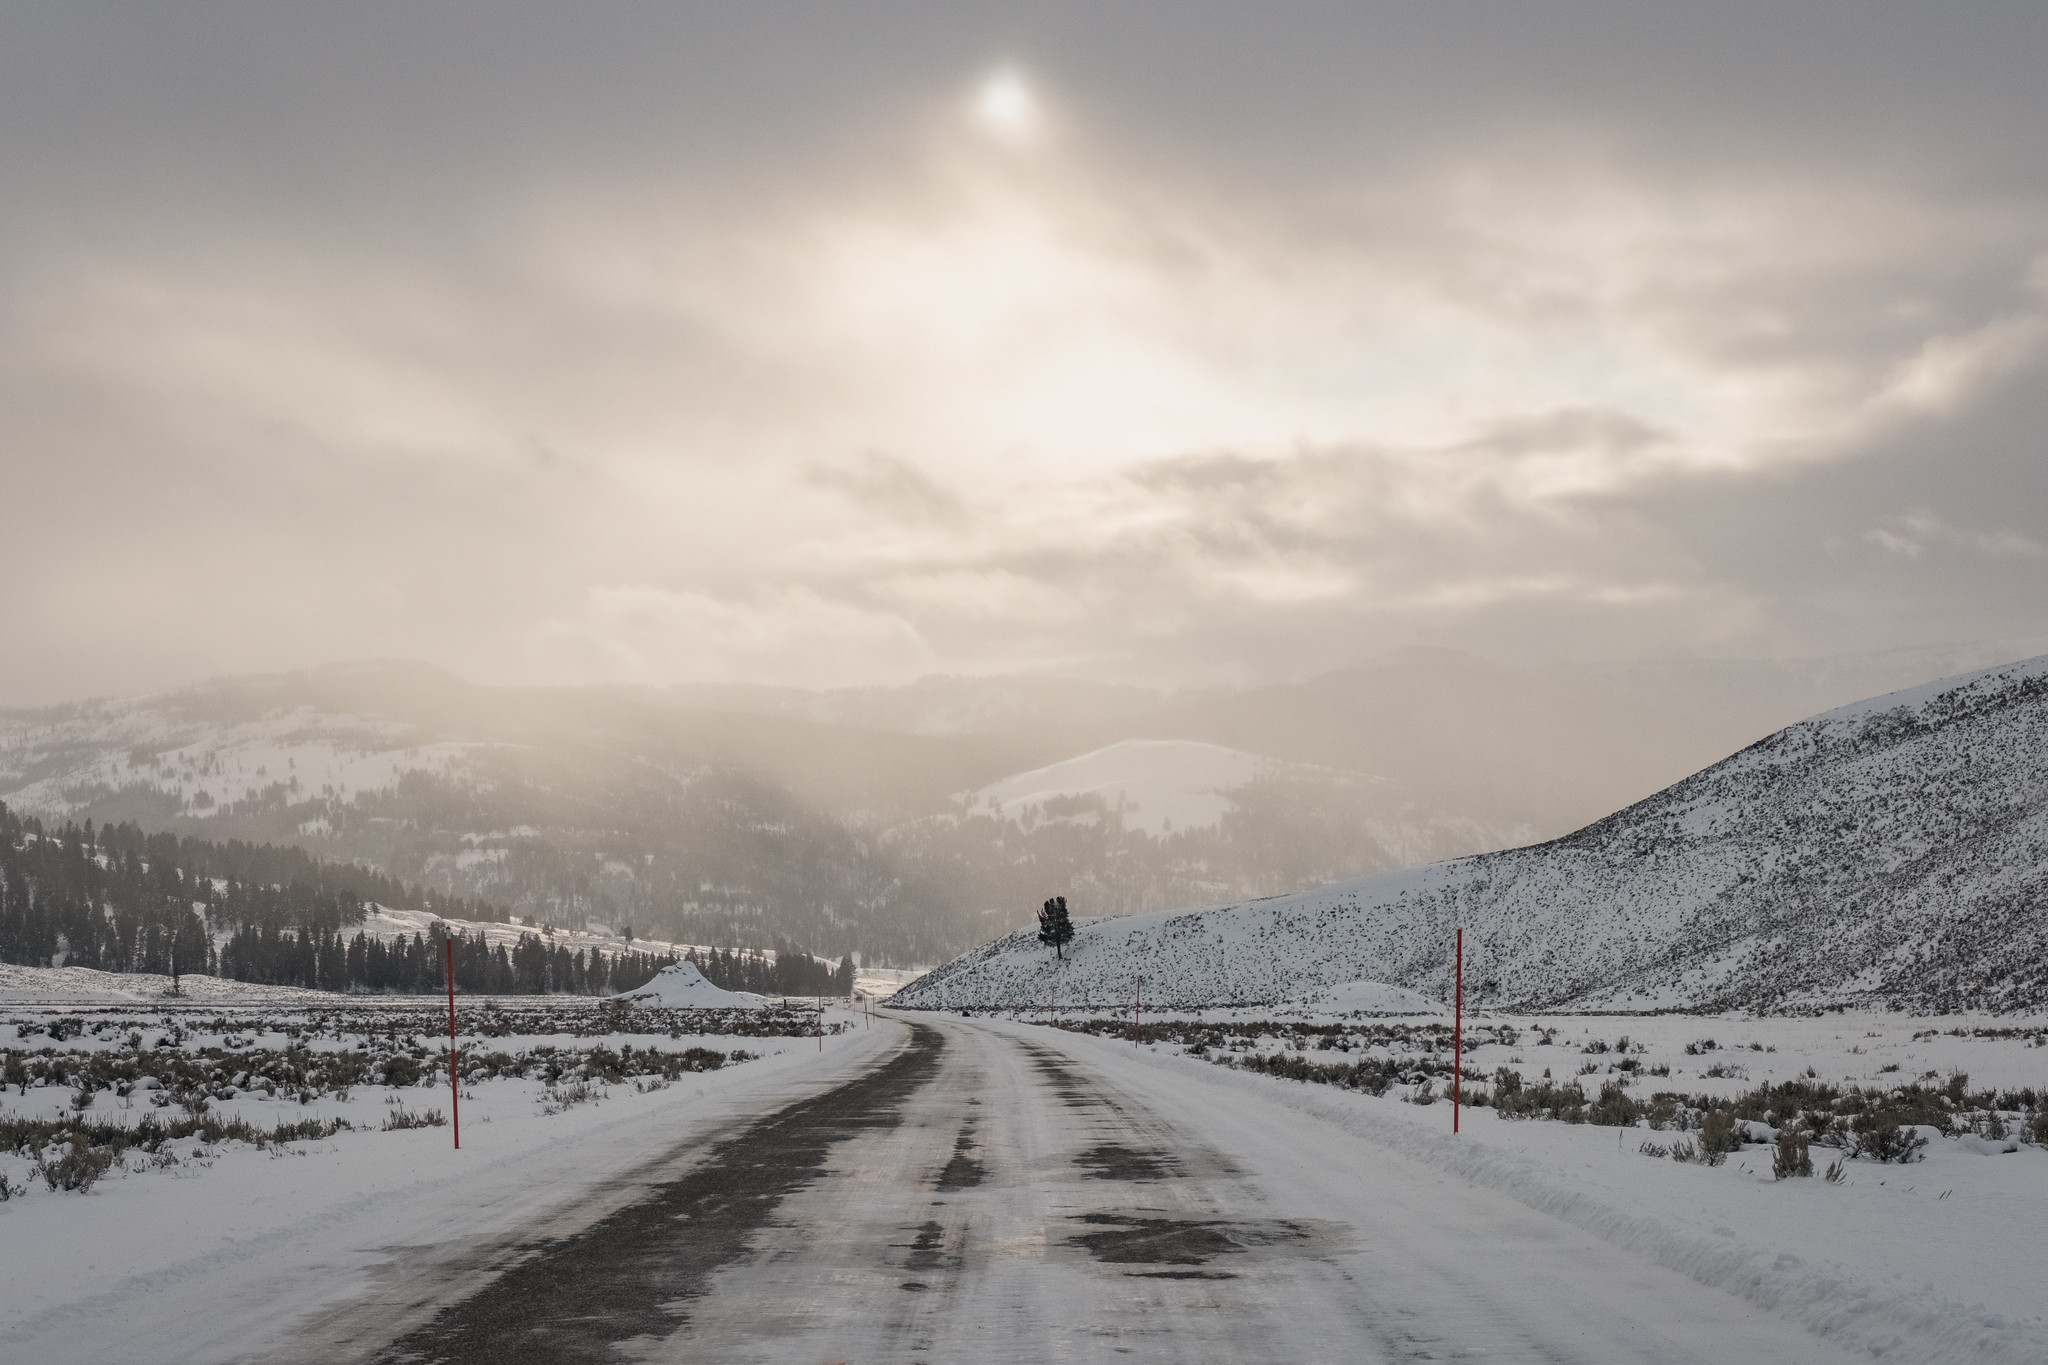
column 1949, row 369
column 661, row 349
column 887, row 487
column 1915, row 533
column 644, row 633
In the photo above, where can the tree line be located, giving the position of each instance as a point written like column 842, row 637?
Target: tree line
column 323, row 960
column 279, row 869
column 117, row 900
column 63, row 901
column 791, row 971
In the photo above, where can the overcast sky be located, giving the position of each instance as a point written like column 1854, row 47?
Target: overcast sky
column 1170, row 343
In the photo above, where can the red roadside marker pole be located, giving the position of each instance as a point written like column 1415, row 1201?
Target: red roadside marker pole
column 1458, row 1036
column 454, row 1078
column 1137, row 1007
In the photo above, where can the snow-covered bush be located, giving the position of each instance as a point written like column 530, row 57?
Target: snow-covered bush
column 78, row 1167
column 1881, row 1137
column 1719, row 1135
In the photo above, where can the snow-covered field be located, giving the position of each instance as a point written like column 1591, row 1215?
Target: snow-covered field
column 202, row 1243
column 85, row 986
column 2002, row 1052
column 878, row 983
column 1938, row 1258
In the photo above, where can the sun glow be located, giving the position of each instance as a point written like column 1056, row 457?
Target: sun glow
column 1005, row 106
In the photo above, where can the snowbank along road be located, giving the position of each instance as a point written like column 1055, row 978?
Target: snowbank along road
column 994, row 1192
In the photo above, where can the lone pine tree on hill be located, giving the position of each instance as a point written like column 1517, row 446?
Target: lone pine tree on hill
column 1055, row 930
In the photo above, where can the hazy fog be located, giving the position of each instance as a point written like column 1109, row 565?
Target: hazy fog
column 1175, row 345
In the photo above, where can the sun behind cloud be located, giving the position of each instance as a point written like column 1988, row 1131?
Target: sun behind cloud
column 1005, row 106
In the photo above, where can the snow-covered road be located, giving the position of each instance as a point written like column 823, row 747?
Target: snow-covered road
column 1009, row 1193
column 937, row 1188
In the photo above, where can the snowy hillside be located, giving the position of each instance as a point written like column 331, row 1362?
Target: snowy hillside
column 205, row 765
column 1893, row 852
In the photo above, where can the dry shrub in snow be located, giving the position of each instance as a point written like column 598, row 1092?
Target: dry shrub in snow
column 1794, row 1156
column 76, row 1169
column 401, row 1118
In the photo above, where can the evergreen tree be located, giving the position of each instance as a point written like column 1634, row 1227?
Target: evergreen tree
column 1055, row 930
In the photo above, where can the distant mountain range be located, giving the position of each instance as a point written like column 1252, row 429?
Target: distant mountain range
column 902, row 823
column 1891, row 853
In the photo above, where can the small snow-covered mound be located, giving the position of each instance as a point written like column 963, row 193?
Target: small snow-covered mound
column 683, row 987
column 1374, row 997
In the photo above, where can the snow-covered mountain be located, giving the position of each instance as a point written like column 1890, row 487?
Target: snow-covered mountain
column 636, row 808
column 1237, row 823
column 208, row 765
column 1893, row 852
column 1157, row 785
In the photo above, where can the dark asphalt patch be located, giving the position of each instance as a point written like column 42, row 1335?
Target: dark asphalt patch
column 1144, row 1239
column 1113, row 1161
column 631, row 1273
column 963, row 1172
column 1152, row 1241
column 1074, row 1092
column 1180, row 1275
column 924, row 1251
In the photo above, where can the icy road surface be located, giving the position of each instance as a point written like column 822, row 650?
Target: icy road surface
column 992, row 1192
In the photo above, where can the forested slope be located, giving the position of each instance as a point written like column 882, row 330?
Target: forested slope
column 116, row 900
